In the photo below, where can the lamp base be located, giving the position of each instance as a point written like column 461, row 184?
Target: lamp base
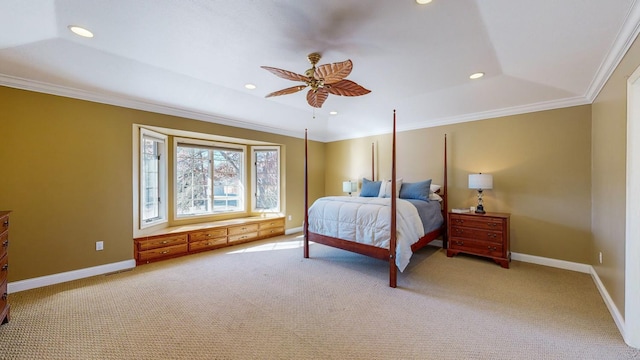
column 480, row 209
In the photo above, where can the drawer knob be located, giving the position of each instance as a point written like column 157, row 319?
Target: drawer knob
column 492, row 248
column 208, row 235
column 459, row 243
column 5, row 243
column 4, row 296
column 164, row 242
column 5, row 223
column 5, row 267
column 165, row 252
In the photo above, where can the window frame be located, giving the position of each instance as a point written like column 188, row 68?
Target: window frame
column 212, row 145
column 163, row 201
column 254, row 179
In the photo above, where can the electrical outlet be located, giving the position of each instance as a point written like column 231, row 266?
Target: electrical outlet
column 99, row 245
column 600, row 257
column 289, row 218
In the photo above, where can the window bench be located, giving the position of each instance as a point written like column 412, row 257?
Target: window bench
column 188, row 239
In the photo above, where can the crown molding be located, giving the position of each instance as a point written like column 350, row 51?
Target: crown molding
column 64, row 91
column 625, row 38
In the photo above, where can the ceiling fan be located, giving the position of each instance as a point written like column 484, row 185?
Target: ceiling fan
column 322, row 80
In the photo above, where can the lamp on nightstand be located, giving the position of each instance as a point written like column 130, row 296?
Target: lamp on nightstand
column 349, row 187
column 480, row 182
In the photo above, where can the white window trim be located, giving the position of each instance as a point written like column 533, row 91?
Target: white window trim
column 164, row 196
column 180, row 140
column 254, row 185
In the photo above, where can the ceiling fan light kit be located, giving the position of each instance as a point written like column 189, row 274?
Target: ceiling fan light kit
column 322, row 80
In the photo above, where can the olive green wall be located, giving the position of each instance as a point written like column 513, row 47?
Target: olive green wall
column 66, row 174
column 609, row 147
column 541, row 164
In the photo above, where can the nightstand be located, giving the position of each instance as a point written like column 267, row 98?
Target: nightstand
column 480, row 234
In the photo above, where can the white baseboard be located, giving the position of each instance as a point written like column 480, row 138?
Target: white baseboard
column 28, row 284
column 293, row 230
column 613, row 309
column 583, row 268
column 560, row 264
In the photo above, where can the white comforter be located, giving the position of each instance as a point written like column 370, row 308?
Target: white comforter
column 367, row 220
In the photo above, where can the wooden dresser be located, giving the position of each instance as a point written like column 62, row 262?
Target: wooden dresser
column 4, row 266
column 480, row 234
column 183, row 240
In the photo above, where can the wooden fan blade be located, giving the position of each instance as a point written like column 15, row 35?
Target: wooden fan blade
column 332, row 73
column 286, row 91
column 317, row 98
column 289, row 75
column 346, row 88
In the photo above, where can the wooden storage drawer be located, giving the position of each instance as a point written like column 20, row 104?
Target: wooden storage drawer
column 193, row 238
column 4, row 302
column 207, row 234
column 243, row 237
column 485, row 223
column 478, row 234
column 271, row 232
column 163, row 241
column 4, row 222
column 4, row 268
column 207, row 244
column 167, row 251
column 476, row 247
column 276, row 223
column 4, row 243
column 243, row 229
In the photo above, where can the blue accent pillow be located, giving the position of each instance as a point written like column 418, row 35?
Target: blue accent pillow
column 370, row 188
column 417, row 190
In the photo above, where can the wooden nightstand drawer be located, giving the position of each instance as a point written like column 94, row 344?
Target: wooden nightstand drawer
column 207, row 234
column 483, row 223
column 168, row 251
column 480, row 234
column 471, row 233
column 160, row 242
column 476, row 247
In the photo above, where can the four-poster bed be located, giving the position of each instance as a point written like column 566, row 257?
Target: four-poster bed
column 388, row 248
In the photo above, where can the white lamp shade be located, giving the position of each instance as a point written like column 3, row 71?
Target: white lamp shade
column 480, row 181
column 349, row 186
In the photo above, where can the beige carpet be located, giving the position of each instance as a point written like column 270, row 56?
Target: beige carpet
column 264, row 301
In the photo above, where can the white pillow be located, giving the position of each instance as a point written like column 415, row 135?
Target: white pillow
column 385, row 188
column 434, row 188
column 435, row 197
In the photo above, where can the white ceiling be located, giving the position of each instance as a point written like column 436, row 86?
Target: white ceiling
column 192, row 58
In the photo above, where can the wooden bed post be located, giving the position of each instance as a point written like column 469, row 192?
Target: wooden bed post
column 445, row 205
column 373, row 166
column 393, row 270
column 306, row 199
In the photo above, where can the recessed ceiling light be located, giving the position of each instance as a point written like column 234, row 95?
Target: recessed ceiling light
column 250, row 86
column 477, row 75
column 80, row 31
column 333, row 113
column 422, row 2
